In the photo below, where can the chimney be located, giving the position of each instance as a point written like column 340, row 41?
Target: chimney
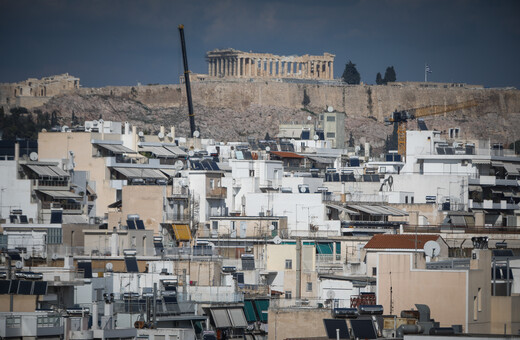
column 16, row 151
column 134, row 138
column 172, row 132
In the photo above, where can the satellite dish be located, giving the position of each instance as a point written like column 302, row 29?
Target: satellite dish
column 191, row 153
column 160, row 135
column 18, row 265
column 169, row 135
column 309, row 117
column 233, row 234
column 196, row 134
column 33, row 156
column 293, row 140
column 330, row 108
column 432, row 249
column 331, row 294
column 184, row 183
column 64, row 128
column 109, row 267
column 179, row 165
column 316, row 137
column 267, row 148
column 271, row 227
column 277, row 240
column 54, row 257
column 101, row 121
column 26, row 256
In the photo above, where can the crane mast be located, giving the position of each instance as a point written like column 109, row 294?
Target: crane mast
column 187, row 82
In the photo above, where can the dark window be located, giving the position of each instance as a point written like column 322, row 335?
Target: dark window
column 374, row 271
column 288, row 264
column 331, row 135
column 331, row 119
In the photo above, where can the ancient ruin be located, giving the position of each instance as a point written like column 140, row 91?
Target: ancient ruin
column 231, row 63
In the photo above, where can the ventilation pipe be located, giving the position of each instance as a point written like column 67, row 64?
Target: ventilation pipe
column 408, row 329
column 134, row 138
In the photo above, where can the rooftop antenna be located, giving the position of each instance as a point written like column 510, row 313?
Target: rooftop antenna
column 187, row 81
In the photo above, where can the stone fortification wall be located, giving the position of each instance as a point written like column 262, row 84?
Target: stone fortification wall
column 376, row 101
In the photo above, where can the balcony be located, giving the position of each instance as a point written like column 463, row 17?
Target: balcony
column 68, row 208
column 40, row 184
column 217, row 193
column 177, row 218
column 489, row 204
column 31, row 325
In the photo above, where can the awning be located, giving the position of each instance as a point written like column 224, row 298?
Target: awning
column 158, row 151
column 182, row 232
column 497, row 164
column 324, row 248
column 249, row 311
column 475, row 188
column 285, row 154
column 262, row 306
column 512, row 169
column 348, row 211
column 221, row 318
column 238, row 319
column 48, row 171
column 176, row 150
column 140, row 173
column 169, row 172
column 74, row 219
column 378, row 210
column 322, row 160
column 116, row 204
column 60, row 194
column 118, row 149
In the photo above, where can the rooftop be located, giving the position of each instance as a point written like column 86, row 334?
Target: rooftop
column 389, row 241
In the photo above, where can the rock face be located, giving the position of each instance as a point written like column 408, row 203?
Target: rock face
column 235, row 110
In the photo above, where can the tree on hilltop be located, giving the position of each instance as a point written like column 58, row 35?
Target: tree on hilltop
column 389, row 75
column 379, row 79
column 350, row 74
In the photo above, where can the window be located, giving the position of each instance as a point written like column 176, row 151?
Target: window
column 331, row 135
column 475, row 308
column 309, row 286
column 215, row 225
column 212, row 183
column 251, row 173
column 374, row 271
column 479, row 298
column 411, row 199
column 288, row 294
column 288, row 264
column 331, row 119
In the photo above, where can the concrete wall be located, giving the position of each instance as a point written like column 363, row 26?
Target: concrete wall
column 400, row 285
column 505, row 314
column 21, row 303
column 146, row 201
column 297, row 323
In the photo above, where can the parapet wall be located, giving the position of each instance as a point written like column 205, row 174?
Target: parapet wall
column 376, row 101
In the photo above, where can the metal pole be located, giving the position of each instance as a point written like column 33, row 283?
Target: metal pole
column 298, row 268
column 187, row 81
column 507, row 281
column 494, row 277
column 155, row 305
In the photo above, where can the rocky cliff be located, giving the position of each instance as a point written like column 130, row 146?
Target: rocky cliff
column 234, row 110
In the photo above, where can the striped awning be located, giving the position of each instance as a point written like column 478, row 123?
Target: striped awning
column 116, row 148
column 60, row 194
column 131, row 173
column 52, row 171
column 158, row 151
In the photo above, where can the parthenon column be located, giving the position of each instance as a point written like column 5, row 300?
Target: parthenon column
column 331, row 70
column 209, row 68
column 219, row 66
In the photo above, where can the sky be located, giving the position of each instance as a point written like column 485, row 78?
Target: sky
column 125, row 42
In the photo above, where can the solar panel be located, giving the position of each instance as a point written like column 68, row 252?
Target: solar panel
column 25, row 287
column 205, row 164
column 335, row 177
column 214, row 165
column 131, row 265
column 140, row 224
column 23, row 219
column 13, row 218
column 56, row 216
column 13, row 289
column 40, row 288
column 422, row 125
column 363, row 329
column 4, row 286
column 87, row 269
column 196, row 165
column 502, row 252
column 306, row 134
column 331, row 325
column 14, row 255
column 354, row 162
column 239, row 277
column 131, row 224
column 440, row 151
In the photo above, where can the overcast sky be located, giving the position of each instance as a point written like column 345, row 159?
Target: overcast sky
column 123, row 42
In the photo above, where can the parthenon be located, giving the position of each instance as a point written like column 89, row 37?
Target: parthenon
column 238, row 64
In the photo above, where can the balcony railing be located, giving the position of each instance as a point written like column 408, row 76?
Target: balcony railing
column 219, row 192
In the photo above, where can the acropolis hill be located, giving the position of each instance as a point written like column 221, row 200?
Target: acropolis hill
column 236, row 108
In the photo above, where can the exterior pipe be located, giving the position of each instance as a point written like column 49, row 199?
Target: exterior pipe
column 408, row 329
